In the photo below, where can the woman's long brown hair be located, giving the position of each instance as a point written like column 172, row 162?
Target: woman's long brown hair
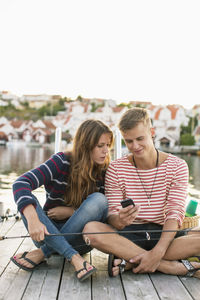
column 84, row 172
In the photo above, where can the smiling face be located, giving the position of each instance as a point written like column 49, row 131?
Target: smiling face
column 139, row 140
column 101, row 150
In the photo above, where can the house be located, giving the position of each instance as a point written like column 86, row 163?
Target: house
column 37, row 101
column 42, row 135
column 167, row 121
column 8, row 132
column 8, row 97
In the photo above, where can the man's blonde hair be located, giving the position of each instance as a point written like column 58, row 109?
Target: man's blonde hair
column 132, row 117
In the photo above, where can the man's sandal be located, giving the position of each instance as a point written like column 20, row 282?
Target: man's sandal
column 191, row 270
column 121, row 266
column 87, row 274
column 194, row 258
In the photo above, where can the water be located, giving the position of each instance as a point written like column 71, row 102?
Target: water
column 14, row 161
column 17, row 160
column 194, row 169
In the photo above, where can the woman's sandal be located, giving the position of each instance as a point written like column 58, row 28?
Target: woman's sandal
column 28, row 260
column 121, row 266
column 87, row 274
column 191, row 270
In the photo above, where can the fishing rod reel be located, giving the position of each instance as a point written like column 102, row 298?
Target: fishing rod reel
column 7, row 216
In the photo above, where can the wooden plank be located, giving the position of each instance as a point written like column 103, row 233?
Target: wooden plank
column 9, row 247
column 105, row 287
column 46, row 278
column 6, row 225
column 169, row 287
column 102, row 285
column 99, row 260
column 71, row 288
column 138, row 286
column 13, row 281
column 192, row 285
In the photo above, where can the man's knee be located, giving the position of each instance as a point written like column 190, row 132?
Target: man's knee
column 94, row 236
column 91, row 227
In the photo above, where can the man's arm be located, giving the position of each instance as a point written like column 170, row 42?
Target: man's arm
column 150, row 260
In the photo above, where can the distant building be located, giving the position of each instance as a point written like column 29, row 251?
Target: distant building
column 167, row 121
column 37, row 101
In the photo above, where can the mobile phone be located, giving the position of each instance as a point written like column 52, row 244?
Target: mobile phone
column 127, row 202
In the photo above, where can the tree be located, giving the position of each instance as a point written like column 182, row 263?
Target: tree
column 187, row 139
column 191, row 125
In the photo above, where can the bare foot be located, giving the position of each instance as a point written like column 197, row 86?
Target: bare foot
column 77, row 261
column 36, row 256
column 182, row 270
column 178, row 268
column 115, row 269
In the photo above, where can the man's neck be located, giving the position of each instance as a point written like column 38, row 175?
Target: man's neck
column 147, row 162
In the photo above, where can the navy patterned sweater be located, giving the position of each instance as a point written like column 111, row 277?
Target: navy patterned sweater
column 53, row 174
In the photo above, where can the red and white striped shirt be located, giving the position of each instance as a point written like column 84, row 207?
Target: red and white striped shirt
column 169, row 191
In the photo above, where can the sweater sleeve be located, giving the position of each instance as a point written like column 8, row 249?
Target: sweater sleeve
column 33, row 179
column 178, row 191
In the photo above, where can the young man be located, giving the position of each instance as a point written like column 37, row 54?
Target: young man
column 157, row 182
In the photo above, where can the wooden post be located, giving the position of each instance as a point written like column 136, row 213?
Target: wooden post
column 118, row 144
column 58, row 137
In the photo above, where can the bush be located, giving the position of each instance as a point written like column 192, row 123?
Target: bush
column 187, row 139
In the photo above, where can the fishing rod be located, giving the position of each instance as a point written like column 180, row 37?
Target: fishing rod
column 106, row 232
column 7, row 215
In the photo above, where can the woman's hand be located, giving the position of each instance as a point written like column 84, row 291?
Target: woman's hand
column 60, row 212
column 37, row 230
column 128, row 214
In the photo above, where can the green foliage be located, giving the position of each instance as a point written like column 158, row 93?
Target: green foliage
column 79, row 98
column 95, row 106
column 25, row 104
column 187, row 139
column 191, row 125
column 125, row 105
column 28, row 113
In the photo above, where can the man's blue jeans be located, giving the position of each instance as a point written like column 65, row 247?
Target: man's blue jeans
column 93, row 208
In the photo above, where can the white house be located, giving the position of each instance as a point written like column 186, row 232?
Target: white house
column 167, row 121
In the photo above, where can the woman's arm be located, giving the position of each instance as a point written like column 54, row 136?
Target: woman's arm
column 36, row 229
column 42, row 175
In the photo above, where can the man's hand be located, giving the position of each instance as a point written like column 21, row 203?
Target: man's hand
column 124, row 217
column 60, row 212
column 128, row 214
column 147, row 262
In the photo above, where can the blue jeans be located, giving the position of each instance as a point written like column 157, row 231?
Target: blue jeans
column 93, row 208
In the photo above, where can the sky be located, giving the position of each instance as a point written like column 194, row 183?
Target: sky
column 125, row 50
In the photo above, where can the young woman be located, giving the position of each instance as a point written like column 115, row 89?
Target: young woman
column 74, row 185
column 157, row 182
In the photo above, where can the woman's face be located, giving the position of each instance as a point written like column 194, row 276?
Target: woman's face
column 101, row 150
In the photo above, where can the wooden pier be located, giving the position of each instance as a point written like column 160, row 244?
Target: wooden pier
column 56, row 280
